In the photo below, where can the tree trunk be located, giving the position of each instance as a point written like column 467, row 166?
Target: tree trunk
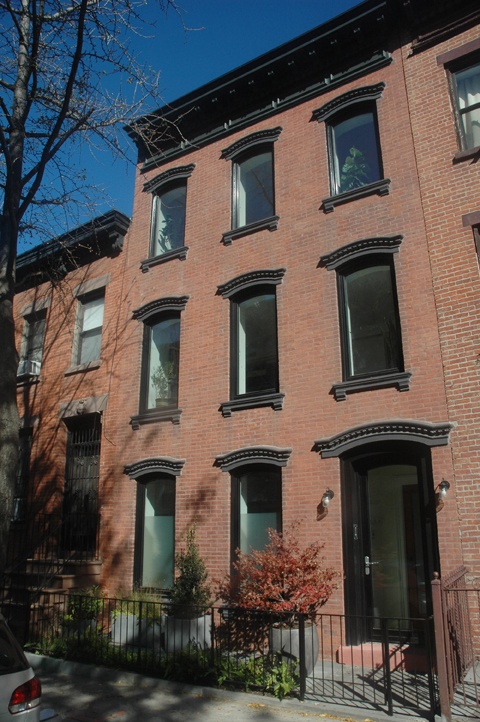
column 9, row 421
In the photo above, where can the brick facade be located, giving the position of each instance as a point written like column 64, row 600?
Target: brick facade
column 436, row 274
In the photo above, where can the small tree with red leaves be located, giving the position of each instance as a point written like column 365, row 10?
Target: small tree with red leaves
column 282, row 578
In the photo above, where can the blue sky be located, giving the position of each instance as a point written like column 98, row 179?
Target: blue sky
column 224, row 35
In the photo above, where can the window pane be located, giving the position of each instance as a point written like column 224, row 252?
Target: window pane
column 468, row 90
column 373, row 334
column 158, row 534
column 163, row 363
column 90, row 344
column 168, row 227
column 355, row 153
column 257, row 360
column 260, row 501
column 254, row 200
column 90, row 335
column 35, row 335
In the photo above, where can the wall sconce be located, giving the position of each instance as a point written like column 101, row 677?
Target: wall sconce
column 441, row 493
column 322, row 508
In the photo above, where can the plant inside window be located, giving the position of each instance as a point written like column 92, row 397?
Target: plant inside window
column 163, row 359
column 168, row 221
column 354, row 152
column 468, row 102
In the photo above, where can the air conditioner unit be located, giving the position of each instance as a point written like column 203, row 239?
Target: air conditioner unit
column 28, row 367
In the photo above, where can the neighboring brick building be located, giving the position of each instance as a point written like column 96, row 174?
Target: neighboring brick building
column 294, row 313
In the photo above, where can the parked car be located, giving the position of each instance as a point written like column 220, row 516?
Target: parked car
column 20, row 689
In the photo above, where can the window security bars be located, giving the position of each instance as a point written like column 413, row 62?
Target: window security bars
column 248, row 649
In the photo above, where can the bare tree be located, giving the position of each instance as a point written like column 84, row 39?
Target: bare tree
column 67, row 75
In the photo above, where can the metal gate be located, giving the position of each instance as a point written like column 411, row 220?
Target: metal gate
column 457, row 631
column 80, row 505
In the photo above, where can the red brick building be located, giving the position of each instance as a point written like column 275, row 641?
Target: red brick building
column 291, row 326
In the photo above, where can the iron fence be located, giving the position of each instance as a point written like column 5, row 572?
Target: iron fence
column 247, row 649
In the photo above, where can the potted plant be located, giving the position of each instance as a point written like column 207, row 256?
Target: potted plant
column 355, row 171
column 137, row 618
column 287, row 583
column 187, row 622
column 83, row 610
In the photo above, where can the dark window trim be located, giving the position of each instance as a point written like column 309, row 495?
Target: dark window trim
column 250, row 280
column 170, row 306
column 266, row 224
column 148, row 263
column 168, row 176
column 360, row 249
column 401, row 380
column 420, row 432
column 380, row 188
column 272, row 455
column 369, row 95
column 160, row 305
column 340, row 260
column 346, row 100
column 238, row 152
column 160, row 465
column 261, row 137
column 472, row 220
column 253, row 401
column 245, row 284
column 151, row 417
column 453, row 61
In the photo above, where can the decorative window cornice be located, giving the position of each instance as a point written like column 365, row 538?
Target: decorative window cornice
column 357, row 95
column 398, row 430
column 358, row 249
column 253, row 455
column 172, row 174
column 169, row 303
column 272, row 277
column 261, row 136
column 160, row 465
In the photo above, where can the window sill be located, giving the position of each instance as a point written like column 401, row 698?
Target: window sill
column 275, row 400
column 399, row 379
column 28, row 379
column 148, row 263
column 151, row 417
column 90, row 366
column 270, row 224
column 471, row 153
column 381, row 188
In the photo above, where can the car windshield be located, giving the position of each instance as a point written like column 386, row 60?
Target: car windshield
column 12, row 658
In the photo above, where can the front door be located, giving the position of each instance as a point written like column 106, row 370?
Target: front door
column 390, row 538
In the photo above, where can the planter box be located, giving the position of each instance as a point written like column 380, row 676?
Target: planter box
column 182, row 634
column 127, row 630
column 285, row 641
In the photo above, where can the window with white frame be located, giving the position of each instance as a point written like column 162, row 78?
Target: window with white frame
column 31, row 350
column 88, row 339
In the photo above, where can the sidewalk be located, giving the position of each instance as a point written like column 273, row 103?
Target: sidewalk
column 84, row 693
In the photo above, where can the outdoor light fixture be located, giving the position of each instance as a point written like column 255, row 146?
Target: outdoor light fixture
column 322, row 508
column 441, row 493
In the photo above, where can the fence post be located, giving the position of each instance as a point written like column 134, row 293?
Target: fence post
column 301, row 652
column 440, row 649
column 386, row 667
